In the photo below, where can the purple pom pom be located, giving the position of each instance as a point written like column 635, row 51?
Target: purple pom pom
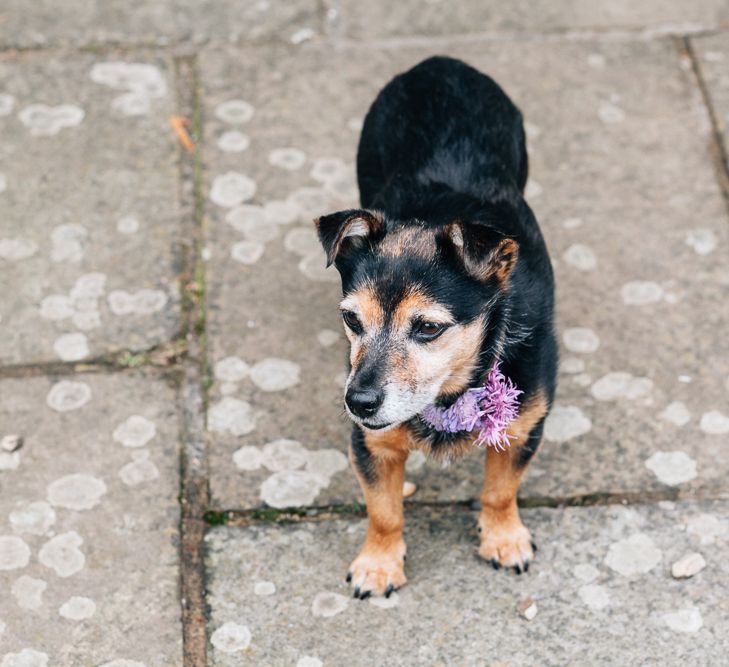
column 490, row 409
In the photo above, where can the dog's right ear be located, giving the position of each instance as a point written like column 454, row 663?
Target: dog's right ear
column 343, row 231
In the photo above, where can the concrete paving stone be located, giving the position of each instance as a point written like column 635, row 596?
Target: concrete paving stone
column 89, row 522
column 83, row 22
column 712, row 53
column 438, row 17
column 624, row 188
column 601, row 582
column 89, row 212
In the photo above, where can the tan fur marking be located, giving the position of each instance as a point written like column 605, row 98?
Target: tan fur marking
column 504, row 538
column 414, row 240
column 465, row 356
column 368, row 306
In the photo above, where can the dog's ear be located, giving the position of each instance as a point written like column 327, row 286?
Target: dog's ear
column 345, row 230
column 486, row 253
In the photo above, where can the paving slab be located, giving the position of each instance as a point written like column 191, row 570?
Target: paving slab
column 89, row 212
column 602, row 587
column 84, row 22
column 623, row 185
column 89, row 522
column 438, row 17
column 713, row 58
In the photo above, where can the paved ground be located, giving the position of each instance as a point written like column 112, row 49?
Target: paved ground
column 151, row 291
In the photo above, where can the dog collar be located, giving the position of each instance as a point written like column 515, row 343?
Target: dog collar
column 489, row 408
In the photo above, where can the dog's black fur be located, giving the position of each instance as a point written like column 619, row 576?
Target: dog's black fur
column 443, row 142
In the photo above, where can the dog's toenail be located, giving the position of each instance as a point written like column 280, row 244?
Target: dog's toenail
column 349, row 577
column 356, row 592
column 365, row 595
column 388, row 590
column 534, row 547
column 517, row 569
column 526, row 566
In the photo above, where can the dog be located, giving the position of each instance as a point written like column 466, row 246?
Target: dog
column 444, row 272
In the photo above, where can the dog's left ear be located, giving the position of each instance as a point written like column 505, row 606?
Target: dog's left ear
column 486, row 253
column 343, row 231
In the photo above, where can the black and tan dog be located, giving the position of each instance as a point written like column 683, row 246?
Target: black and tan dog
column 443, row 272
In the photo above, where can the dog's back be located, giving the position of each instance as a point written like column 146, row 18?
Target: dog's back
column 441, row 124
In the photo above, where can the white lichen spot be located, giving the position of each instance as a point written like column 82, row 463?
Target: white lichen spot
column 68, row 243
column 581, row 257
column 596, row 60
column 135, row 431
column 35, row 518
column 634, row 555
column 142, row 81
column 416, row 460
column 45, row 121
column 233, row 141
column 314, row 267
column 89, row 286
column 290, row 488
column 28, row 657
column 594, row 596
column 677, row 413
column 328, row 169
column 385, row 603
column 617, row 385
column 68, row 395
column 610, row 113
column 272, row 374
column 231, row 638
column 231, row 415
column 62, row 554
column 7, row 102
column 309, row 202
column 566, row 422
column 581, row 340
column 284, row 454
column 247, row 252
column 17, row 249
column 129, row 224
column 641, row 292
column 572, row 223
column 572, row 365
column 309, row 661
column 672, row 468
column 9, row 460
column 327, row 337
column 533, row 189
column 138, row 472
column 231, row 189
column 302, row 35
column 234, row 112
column 56, row 307
column 290, row 159
column 325, row 463
column 28, row 592
column 231, row 369
column 86, row 320
column 281, row 212
column 76, row 492
column 355, row 124
column 264, row 588
column 714, row 423
column 703, row 241
column 685, row 620
column 78, row 608
column 707, row 528
column 143, row 302
column 71, row 346
column 326, row 605
column 586, row 573
column 248, row 457
column 14, row 553
column 302, row 241
column 251, row 221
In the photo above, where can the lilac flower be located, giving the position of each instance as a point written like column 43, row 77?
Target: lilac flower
column 490, row 409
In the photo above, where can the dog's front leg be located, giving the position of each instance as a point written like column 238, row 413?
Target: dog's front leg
column 378, row 460
column 505, row 540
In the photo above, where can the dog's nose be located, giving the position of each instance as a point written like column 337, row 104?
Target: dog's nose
column 364, row 402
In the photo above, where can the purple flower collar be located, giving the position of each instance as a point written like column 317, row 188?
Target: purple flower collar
column 490, row 409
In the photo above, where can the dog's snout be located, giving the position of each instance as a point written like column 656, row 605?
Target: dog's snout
column 364, row 402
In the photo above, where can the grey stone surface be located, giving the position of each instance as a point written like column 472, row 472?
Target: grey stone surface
column 712, row 53
column 601, row 583
column 89, row 521
column 438, row 17
column 84, row 22
column 623, row 185
column 87, row 188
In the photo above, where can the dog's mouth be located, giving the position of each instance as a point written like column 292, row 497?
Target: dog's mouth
column 375, row 427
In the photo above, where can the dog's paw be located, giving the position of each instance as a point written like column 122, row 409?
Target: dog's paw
column 506, row 545
column 377, row 572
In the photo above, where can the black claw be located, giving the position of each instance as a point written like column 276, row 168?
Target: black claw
column 349, row 577
column 534, row 547
column 526, row 566
column 365, row 595
column 388, row 590
column 517, row 569
column 404, row 558
column 494, row 563
column 356, row 592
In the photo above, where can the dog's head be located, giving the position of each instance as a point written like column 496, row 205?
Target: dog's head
column 419, row 305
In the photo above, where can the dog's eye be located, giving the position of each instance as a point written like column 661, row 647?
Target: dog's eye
column 352, row 321
column 426, row 331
